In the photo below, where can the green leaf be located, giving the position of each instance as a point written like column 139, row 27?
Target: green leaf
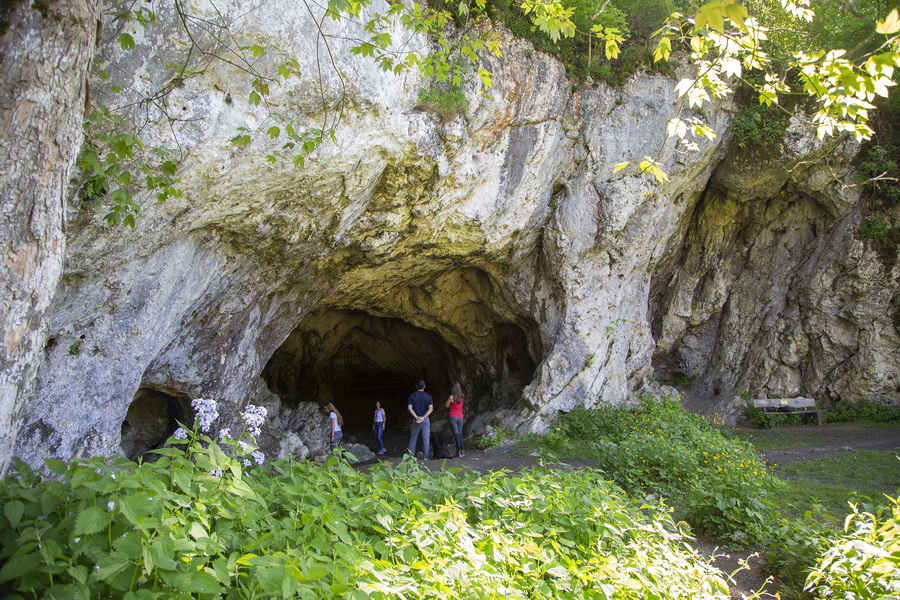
column 18, row 566
column 273, row 132
column 204, row 583
column 241, row 140
column 91, row 520
column 254, row 99
column 663, row 49
column 109, row 566
column 56, row 466
column 13, row 511
column 239, row 487
column 126, row 42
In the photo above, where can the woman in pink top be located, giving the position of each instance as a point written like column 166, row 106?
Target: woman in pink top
column 455, row 404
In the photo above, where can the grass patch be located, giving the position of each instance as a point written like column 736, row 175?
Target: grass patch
column 797, row 438
column 765, row 440
column 798, row 495
column 864, row 472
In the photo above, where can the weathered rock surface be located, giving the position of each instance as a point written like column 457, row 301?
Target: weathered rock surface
column 497, row 248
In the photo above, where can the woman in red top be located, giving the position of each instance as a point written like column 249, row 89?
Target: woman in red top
column 455, row 404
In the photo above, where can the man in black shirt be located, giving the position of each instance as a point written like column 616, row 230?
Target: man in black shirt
column 420, row 406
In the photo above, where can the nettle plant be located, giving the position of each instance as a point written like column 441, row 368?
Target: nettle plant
column 199, row 524
column 110, row 526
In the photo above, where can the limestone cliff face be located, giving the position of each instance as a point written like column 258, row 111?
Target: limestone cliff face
column 497, row 248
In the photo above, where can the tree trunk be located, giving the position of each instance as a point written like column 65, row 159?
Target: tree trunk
column 46, row 49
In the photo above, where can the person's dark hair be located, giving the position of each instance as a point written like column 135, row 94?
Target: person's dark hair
column 456, row 392
column 421, row 384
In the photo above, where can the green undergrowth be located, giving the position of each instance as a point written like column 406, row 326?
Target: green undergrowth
column 658, row 448
column 864, row 412
column 110, row 528
column 714, row 477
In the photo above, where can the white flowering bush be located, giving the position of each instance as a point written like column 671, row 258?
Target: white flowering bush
column 239, row 448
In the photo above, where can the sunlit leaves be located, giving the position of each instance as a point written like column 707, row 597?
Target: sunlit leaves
column 612, row 37
column 676, row 128
column 550, row 16
column 799, row 9
column 712, row 15
column 651, row 167
column 890, row 25
column 663, row 49
column 725, row 43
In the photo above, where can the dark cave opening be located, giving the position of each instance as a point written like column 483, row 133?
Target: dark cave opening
column 353, row 359
column 151, row 418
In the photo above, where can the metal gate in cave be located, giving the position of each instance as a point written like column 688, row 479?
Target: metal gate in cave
column 359, row 383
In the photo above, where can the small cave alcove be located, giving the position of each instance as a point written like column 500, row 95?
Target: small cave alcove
column 151, row 418
column 353, row 359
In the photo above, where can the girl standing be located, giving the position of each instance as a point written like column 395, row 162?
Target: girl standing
column 336, row 421
column 378, row 427
column 455, row 404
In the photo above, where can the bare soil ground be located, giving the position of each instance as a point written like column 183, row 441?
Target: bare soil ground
column 742, row 566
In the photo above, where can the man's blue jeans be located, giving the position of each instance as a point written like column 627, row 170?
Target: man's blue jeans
column 414, row 430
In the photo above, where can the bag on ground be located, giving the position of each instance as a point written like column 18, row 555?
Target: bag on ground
column 438, row 448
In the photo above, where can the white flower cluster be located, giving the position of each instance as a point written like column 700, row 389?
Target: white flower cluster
column 225, row 432
column 258, row 456
column 207, row 411
column 180, row 434
column 254, row 417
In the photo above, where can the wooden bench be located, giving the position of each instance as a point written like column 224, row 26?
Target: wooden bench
column 788, row 406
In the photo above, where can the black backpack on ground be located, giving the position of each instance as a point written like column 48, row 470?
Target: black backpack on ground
column 438, row 448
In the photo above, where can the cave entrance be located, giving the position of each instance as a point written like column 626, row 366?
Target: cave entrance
column 354, row 359
column 151, row 418
column 359, row 382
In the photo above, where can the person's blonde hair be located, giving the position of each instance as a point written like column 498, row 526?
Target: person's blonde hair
column 330, row 408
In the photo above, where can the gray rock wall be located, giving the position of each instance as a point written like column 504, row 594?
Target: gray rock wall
column 497, row 247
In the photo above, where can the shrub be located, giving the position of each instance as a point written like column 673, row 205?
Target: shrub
column 793, row 547
column 446, row 102
column 864, row 412
column 757, row 124
column 863, row 563
column 876, row 227
column 493, row 439
column 111, row 528
column 660, row 448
